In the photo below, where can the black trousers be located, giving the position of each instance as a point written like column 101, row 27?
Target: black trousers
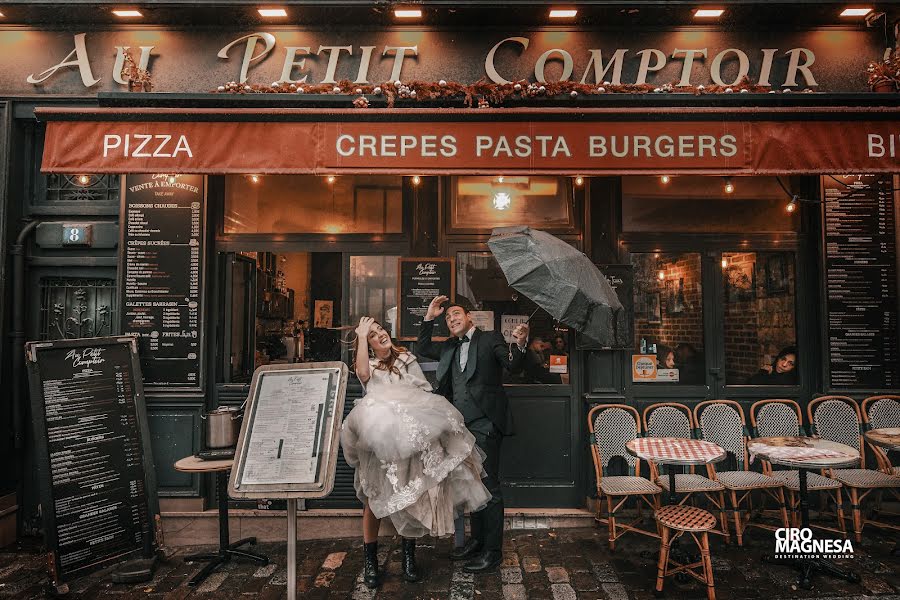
column 487, row 523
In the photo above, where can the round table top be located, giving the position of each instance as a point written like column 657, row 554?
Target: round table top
column 676, row 451
column 803, row 452
column 192, row 464
column 888, row 437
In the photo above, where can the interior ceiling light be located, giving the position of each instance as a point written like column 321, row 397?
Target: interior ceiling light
column 127, row 12
column 272, row 12
column 408, row 13
column 708, row 13
column 562, row 13
column 855, row 12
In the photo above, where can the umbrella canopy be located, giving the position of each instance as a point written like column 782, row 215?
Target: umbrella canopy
column 561, row 280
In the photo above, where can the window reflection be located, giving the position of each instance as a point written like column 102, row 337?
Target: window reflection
column 760, row 324
column 482, row 202
column 668, row 315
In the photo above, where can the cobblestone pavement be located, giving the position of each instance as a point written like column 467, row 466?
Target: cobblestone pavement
column 567, row 564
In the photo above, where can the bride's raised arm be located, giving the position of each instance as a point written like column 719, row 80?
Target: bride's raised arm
column 361, row 364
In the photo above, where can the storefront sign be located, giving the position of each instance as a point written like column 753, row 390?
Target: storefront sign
column 85, row 62
column 163, row 237
column 93, row 456
column 584, row 147
column 559, row 363
column 861, row 281
column 419, row 281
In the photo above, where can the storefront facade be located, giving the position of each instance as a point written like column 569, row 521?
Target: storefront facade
column 306, row 199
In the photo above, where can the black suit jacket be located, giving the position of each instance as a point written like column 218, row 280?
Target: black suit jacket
column 489, row 354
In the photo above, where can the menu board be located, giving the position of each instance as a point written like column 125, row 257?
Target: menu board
column 419, row 280
column 289, row 436
column 861, row 281
column 162, row 271
column 621, row 279
column 95, row 466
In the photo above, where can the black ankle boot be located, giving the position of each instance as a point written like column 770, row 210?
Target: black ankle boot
column 370, row 570
column 410, row 568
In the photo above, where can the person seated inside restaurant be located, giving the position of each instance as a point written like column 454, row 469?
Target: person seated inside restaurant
column 690, row 364
column 782, row 371
column 537, row 357
column 665, row 358
column 559, row 345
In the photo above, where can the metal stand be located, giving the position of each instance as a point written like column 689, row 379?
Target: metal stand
column 291, row 549
column 226, row 550
column 808, row 566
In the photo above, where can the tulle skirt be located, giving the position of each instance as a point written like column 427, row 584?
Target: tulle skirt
column 415, row 461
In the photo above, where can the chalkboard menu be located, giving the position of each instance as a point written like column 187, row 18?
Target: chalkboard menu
column 419, row 281
column 621, row 279
column 162, row 270
column 98, row 482
column 860, row 254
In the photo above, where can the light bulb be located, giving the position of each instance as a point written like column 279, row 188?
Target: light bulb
column 729, row 187
column 172, row 179
column 661, row 275
column 579, row 181
column 416, row 180
column 331, row 178
column 665, row 179
column 254, row 178
column 792, row 205
column 500, row 179
column 84, row 179
column 724, row 263
column 502, row 200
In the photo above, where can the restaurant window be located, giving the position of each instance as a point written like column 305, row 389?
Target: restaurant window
column 668, row 315
column 373, row 290
column 313, row 204
column 482, row 288
column 484, row 202
column 698, row 204
column 760, row 318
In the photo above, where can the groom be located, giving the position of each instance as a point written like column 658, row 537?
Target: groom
column 470, row 375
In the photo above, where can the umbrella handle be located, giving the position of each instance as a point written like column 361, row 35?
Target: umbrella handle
column 532, row 314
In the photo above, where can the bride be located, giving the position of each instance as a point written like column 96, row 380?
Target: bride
column 415, row 461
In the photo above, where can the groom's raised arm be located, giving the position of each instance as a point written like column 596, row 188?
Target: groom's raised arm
column 424, row 344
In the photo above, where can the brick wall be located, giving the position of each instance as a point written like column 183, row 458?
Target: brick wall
column 681, row 304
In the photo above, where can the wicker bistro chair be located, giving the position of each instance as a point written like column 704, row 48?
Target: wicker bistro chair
column 782, row 418
column 670, row 419
column 674, row 521
column 611, row 426
column 723, row 422
column 838, row 418
column 879, row 412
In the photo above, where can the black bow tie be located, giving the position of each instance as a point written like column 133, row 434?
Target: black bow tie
column 458, row 341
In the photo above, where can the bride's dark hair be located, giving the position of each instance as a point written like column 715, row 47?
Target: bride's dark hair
column 388, row 364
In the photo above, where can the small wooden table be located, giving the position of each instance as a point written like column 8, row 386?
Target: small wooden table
column 192, row 464
column 806, row 454
column 675, row 451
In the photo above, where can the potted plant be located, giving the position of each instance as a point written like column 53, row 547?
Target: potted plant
column 884, row 76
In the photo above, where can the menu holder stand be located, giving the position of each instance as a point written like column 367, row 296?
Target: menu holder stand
column 289, row 439
column 94, row 459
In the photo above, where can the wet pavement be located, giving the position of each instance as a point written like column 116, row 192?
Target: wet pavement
column 565, row 564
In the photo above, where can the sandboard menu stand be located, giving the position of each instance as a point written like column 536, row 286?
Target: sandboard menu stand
column 289, row 440
column 95, row 466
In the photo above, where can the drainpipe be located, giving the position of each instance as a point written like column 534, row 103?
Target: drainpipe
column 18, row 331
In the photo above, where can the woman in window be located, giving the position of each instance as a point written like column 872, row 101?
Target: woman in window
column 782, row 371
column 415, row 460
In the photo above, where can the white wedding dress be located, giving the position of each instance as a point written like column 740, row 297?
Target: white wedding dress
column 415, row 460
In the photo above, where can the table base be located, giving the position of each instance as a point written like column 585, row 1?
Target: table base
column 809, row 566
column 223, row 556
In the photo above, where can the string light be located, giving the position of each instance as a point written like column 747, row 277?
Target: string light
column 665, row 179
column 500, row 179
column 661, row 275
column 579, row 181
column 331, row 178
column 254, row 178
column 416, row 180
column 729, row 187
column 792, row 205
column 84, row 179
column 724, row 263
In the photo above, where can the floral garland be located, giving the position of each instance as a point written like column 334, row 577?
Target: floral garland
column 885, row 72
column 485, row 94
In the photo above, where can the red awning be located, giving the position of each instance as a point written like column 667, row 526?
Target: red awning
column 426, row 141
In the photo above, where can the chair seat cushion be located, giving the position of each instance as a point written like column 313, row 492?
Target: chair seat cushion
column 745, row 480
column 814, row 481
column 865, row 478
column 626, row 485
column 685, row 518
column 686, row 482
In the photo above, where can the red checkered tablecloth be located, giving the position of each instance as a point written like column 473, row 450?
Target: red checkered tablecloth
column 676, row 449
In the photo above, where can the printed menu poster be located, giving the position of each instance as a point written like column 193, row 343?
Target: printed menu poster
column 419, row 281
column 288, row 427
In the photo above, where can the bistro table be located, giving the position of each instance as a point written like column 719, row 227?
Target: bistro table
column 889, row 439
column 192, row 464
column 675, row 451
column 807, row 454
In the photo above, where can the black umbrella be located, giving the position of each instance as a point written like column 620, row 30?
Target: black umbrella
column 561, row 280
